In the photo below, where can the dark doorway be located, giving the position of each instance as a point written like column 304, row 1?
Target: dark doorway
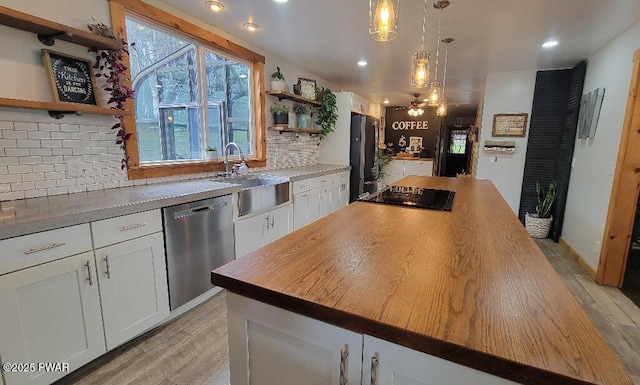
column 631, row 284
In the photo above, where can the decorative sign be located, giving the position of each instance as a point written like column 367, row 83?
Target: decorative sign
column 307, row 88
column 71, row 78
column 415, row 144
column 589, row 115
column 509, row 125
column 410, row 125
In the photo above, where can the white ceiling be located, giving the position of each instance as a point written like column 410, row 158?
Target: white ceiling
column 328, row 38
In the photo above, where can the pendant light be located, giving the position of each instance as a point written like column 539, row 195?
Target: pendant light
column 442, row 107
column 383, row 19
column 433, row 100
column 421, row 60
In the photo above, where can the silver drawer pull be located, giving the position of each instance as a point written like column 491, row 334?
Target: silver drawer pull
column 132, row 227
column 43, row 248
column 344, row 354
column 107, row 266
column 90, row 277
column 374, row 369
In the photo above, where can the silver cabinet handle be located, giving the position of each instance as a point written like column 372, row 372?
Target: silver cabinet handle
column 374, row 369
column 344, row 354
column 43, row 248
column 132, row 227
column 108, row 266
column 272, row 221
column 89, row 276
column 267, row 221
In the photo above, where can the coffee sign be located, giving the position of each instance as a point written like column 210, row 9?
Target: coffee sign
column 71, row 78
column 410, row 125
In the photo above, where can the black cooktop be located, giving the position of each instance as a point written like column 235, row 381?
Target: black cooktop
column 419, row 197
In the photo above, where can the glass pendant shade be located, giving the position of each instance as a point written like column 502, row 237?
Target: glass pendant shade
column 420, row 69
column 434, row 95
column 442, row 108
column 383, row 19
column 416, row 111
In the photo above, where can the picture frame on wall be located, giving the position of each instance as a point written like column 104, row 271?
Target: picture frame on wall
column 71, row 78
column 415, row 144
column 307, row 88
column 513, row 125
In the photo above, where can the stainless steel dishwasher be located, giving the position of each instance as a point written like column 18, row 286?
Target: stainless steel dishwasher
column 198, row 238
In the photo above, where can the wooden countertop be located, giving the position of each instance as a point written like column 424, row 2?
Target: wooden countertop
column 469, row 285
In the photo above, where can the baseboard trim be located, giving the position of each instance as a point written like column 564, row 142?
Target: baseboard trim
column 578, row 258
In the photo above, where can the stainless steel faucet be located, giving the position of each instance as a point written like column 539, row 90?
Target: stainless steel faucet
column 226, row 156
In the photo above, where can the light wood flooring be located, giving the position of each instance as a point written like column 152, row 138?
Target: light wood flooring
column 192, row 349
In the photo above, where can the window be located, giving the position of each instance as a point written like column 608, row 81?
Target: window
column 194, row 89
column 458, row 142
column 175, row 120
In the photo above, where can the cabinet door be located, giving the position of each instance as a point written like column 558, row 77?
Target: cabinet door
column 272, row 346
column 250, row 234
column 418, row 167
column 334, row 199
column 393, row 364
column 133, row 287
column 314, row 204
column 51, row 313
column 344, row 194
column 280, row 223
column 300, row 210
column 324, row 206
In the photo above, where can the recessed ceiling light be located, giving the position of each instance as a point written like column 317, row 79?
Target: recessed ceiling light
column 550, row 43
column 386, row 101
column 215, row 6
column 362, row 63
column 280, row 1
column 251, row 26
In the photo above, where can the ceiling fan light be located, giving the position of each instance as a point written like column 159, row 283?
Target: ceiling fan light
column 383, row 19
column 434, row 95
column 442, row 108
column 420, row 69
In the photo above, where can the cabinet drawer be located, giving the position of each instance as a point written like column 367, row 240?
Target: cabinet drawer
column 119, row 229
column 301, row 186
column 34, row 249
column 321, row 181
column 340, row 177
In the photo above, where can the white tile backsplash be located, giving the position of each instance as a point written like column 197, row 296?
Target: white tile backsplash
column 33, row 158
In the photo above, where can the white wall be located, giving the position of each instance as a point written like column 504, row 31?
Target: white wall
column 34, row 148
column 506, row 92
column 592, row 177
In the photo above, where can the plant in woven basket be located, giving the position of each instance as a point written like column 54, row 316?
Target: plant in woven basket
column 545, row 199
column 109, row 66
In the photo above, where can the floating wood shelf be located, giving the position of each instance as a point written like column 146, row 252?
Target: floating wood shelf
column 296, row 98
column 57, row 110
column 291, row 129
column 505, row 152
column 49, row 31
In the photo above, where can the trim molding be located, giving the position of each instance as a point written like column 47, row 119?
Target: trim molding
column 578, row 258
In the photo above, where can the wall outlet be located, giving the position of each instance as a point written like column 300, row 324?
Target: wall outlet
column 74, row 169
column 597, row 247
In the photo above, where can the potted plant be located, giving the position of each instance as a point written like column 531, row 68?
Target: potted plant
column 327, row 112
column 538, row 224
column 212, row 153
column 280, row 115
column 277, row 81
column 303, row 115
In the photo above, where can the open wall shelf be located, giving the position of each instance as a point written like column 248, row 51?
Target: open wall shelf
column 296, row 98
column 57, row 110
column 291, row 129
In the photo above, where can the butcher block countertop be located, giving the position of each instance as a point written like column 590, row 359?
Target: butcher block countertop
column 469, row 286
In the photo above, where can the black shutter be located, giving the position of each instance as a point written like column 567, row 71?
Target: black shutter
column 552, row 133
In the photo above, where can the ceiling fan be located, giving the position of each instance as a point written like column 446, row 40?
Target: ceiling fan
column 416, row 107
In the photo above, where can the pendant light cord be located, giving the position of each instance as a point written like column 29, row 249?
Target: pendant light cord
column 424, row 24
column 446, row 59
column 438, row 47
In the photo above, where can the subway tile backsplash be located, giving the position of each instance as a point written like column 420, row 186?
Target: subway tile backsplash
column 34, row 157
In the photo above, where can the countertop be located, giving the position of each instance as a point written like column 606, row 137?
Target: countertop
column 411, row 158
column 470, row 286
column 27, row 216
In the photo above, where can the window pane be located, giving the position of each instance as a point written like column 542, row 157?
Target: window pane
column 181, row 139
column 177, row 79
column 149, row 141
column 239, row 133
column 215, row 118
column 458, row 142
column 237, row 90
column 215, row 83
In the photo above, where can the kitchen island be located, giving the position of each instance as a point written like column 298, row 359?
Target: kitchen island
column 408, row 296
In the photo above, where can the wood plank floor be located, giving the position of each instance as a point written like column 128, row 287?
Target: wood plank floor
column 192, row 349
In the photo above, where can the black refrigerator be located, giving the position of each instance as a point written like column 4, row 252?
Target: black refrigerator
column 363, row 155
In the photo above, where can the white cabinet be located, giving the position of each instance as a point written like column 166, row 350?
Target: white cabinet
column 51, row 313
column 271, row 346
column 392, row 364
column 316, row 197
column 393, row 172
column 398, row 169
column 133, row 287
column 306, row 207
column 254, row 232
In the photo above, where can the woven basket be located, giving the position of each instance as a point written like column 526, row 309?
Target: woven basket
column 537, row 227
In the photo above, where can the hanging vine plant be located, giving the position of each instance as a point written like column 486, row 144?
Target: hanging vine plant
column 108, row 65
column 327, row 112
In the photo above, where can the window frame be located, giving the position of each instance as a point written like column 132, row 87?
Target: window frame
column 144, row 11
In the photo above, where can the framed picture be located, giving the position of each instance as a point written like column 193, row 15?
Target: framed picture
column 509, row 125
column 307, row 88
column 71, row 78
column 415, row 144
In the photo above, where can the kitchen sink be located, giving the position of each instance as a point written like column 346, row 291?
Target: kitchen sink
column 259, row 193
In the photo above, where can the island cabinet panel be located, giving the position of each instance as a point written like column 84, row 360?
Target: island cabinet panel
column 50, row 313
column 133, row 287
column 385, row 363
column 271, row 346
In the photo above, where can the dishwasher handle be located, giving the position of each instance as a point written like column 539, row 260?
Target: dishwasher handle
column 199, row 210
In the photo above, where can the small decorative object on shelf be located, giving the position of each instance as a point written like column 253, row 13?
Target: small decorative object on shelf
column 303, row 115
column 71, row 78
column 280, row 115
column 538, row 224
column 212, row 153
column 307, row 88
column 277, row 81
